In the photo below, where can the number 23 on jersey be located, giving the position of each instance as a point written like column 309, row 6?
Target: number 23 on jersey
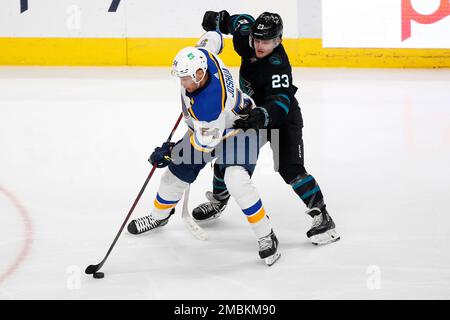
column 280, row 81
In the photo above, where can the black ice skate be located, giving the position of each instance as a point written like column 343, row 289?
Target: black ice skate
column 268, row 246
column 323, row 228
column 147, row 223
column 209, row 210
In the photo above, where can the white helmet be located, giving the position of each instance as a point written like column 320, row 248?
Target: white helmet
column 188, row 61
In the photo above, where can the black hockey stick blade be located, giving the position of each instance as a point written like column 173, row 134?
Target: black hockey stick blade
column 91, row 269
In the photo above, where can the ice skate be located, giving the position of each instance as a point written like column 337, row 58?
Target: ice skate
column 323, row 228
column 209, row 210
column 147, row 223
column 268, row 246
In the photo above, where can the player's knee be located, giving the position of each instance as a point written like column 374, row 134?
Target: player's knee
column 289, row 173
column 170, row 182
column 237, row 180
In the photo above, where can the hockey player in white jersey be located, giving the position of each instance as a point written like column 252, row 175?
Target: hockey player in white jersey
column 211, row 103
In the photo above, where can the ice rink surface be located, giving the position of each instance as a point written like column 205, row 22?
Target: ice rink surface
column 74, row 144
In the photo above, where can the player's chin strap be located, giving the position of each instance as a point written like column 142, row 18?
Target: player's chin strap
column 176, row 74
column 198, row 82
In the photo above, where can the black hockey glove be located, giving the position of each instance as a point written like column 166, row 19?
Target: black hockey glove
column 256, row 118
column 161, row 155
column 213, row 20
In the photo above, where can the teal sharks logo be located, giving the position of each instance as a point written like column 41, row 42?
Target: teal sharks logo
column 246, row 86
column 275, row 59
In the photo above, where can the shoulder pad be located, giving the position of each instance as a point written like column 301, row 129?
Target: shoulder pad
column 275, row 59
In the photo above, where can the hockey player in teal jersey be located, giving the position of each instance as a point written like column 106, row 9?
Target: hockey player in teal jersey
column 266, row 76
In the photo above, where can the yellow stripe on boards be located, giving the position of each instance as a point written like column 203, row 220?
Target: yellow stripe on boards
column 156, row 51
column 310, row 53
column 162, row 51
column 304, row 52
column 63, row 51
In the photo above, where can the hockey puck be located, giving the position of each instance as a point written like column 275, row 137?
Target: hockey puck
column 99, row 275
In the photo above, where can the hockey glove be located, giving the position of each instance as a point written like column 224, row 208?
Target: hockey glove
column 216, row 21
column 161, row 155
column 256, row 118
column 248, row 103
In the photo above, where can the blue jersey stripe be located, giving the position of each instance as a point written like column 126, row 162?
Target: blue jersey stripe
column 209, row 102
column 221, row 78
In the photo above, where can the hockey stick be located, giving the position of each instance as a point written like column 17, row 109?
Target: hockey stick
column 193, row 227
column 92, row 269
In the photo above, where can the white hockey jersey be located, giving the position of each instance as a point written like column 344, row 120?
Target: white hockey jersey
column 211, row 110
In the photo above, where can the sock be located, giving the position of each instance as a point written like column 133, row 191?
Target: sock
column 306, row 187
column 170, row 191
column 220, row 190
column 246, row 195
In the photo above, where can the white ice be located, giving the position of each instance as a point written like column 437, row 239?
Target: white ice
column 74, row 144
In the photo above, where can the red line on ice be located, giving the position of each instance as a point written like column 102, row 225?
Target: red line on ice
column 28, row 235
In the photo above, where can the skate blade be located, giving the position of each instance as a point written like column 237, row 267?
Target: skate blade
column 327, row 237
column 272, row 259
